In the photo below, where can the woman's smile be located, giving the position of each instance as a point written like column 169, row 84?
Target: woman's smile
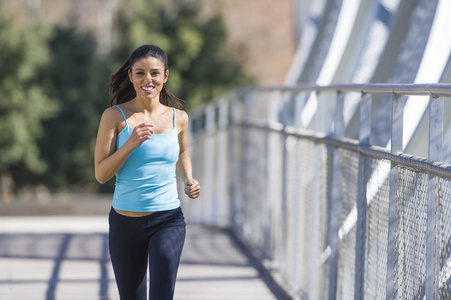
column 148, row 89
column 148, row 76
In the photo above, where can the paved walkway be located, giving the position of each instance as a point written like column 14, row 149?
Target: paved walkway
column 67, row 258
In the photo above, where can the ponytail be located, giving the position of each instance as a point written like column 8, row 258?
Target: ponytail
column 168, row 99
column 120, row 88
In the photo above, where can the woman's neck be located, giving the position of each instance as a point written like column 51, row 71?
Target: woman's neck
column 151, row 105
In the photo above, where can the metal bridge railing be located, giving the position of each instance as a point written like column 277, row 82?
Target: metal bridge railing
column 331, row 217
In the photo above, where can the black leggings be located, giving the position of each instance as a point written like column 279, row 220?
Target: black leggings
column 158, row 239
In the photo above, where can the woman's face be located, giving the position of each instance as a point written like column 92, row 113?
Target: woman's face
column 148, row 77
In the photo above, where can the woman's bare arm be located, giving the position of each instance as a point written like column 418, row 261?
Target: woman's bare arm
column 184, row 168
column 107, row 159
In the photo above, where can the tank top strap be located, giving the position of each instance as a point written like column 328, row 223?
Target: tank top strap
column 121, row 113
column 175, row 124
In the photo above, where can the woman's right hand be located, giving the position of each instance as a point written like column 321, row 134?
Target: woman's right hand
column 140, row 133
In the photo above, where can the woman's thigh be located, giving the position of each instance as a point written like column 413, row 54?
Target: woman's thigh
column 165, row 248
column 128, row 252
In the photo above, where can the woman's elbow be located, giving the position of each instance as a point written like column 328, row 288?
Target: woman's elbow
column 100, row 179
column 184, row 153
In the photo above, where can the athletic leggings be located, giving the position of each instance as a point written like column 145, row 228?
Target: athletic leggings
column 156, row 239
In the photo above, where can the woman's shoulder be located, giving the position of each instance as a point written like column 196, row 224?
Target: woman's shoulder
column 181, row 116
column 112, row 115
column 112, row 111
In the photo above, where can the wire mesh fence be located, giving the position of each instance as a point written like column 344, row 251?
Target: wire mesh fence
column 330, row 217
column 378, row 189
column 410, row 234
column 443, row 225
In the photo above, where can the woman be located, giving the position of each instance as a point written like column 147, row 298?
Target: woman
column 143, row 140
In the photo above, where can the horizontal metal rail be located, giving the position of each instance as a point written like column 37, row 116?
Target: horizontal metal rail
column 422, row 164
column 437, row 89
column 332, row 216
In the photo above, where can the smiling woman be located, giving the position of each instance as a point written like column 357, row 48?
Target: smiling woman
column 123, row 90
column 148, row 76
column 143, row 141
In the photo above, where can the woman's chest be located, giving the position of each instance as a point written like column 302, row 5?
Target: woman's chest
column 159, row 148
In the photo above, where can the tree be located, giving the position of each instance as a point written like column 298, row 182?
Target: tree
column 24, row 104
column 76, row 78
column 52, row 86
column 200, row 66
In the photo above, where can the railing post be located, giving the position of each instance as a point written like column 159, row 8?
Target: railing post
column 285, row 217
column 396, row 146
column 433, row 233
column 362, row 202
column 197, row 124
column 220, row 205
column 249, row 114
column 208, row 184
column 297, row 216
column 260, row 181
column 270, row 166
column 315, row 245
column 397, row 123
column 336, row 199
column 261, row 106
column 365, row 118
column 235, row 159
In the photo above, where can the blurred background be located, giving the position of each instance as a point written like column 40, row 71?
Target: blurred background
column 56, row 58
column 240, row 66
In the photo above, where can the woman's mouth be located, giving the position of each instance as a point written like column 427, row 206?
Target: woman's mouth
column 148, row 89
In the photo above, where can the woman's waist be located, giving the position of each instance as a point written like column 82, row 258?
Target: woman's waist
column 153, row 182
column 144, row 173
column 152, row 198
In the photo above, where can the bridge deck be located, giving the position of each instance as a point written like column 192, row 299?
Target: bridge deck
column 67, row 258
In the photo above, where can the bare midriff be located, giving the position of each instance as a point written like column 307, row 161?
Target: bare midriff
column 133, row 213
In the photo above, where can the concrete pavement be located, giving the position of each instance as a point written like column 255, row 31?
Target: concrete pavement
column 66, row 257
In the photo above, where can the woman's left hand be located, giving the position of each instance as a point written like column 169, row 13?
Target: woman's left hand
column 192, row 188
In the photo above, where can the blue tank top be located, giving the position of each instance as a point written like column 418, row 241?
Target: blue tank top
column 146, row 181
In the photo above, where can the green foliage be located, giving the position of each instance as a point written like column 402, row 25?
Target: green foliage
column 76, row 77
column 23, row 102
column 52, row 85
column 200, row 66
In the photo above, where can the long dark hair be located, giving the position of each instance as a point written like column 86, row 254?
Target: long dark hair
column 120, row 87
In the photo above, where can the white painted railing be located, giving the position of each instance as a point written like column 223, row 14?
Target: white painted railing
column 331, row 217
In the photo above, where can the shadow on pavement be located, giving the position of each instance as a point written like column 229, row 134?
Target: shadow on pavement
column 26, row 252
column 76, row 265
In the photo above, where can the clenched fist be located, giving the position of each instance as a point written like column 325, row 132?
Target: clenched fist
column 192, row 188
